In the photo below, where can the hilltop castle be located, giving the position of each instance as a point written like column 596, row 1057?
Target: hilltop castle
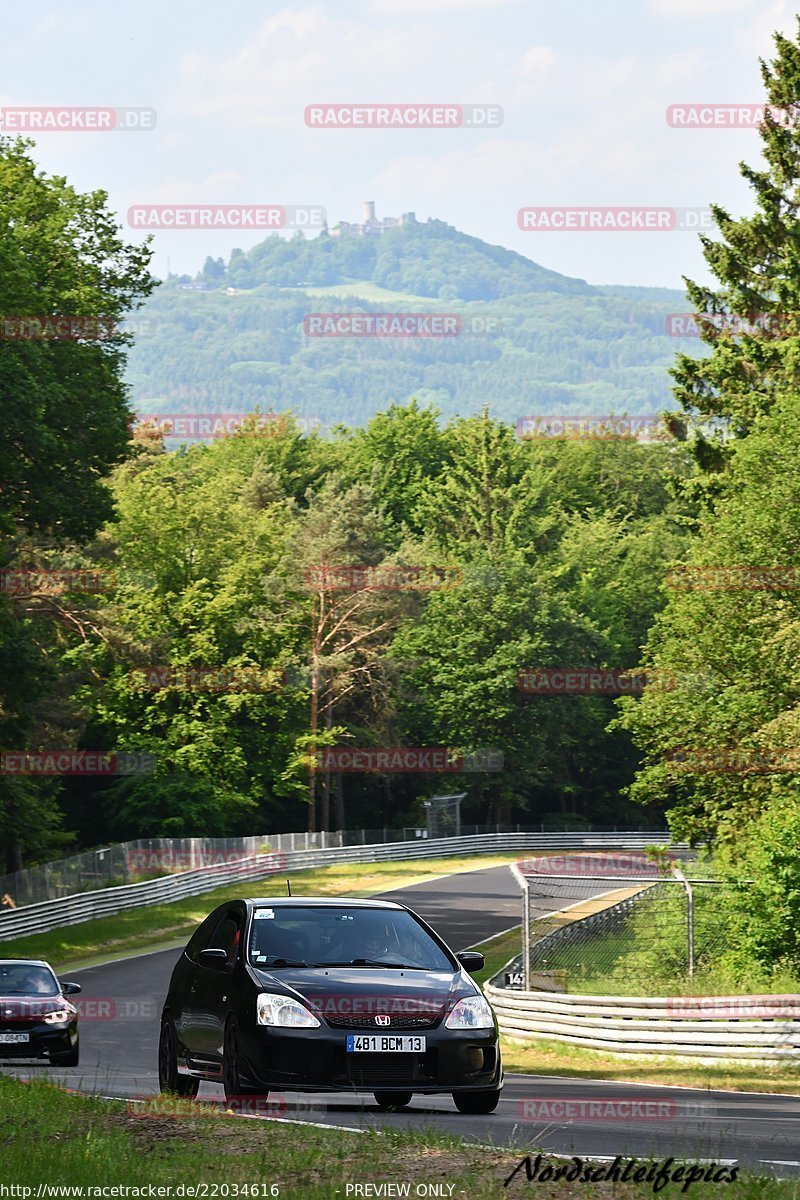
column 370, row 225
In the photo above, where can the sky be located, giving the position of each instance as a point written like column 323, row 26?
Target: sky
column 584, row 90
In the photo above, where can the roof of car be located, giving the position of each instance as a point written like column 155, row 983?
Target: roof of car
column 324, row 901
column 27, row 962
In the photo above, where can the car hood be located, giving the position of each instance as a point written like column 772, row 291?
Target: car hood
column 352, row 990
column 34, row 1007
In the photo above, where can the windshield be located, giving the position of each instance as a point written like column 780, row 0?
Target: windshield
column 23, row 979
column 330, row 936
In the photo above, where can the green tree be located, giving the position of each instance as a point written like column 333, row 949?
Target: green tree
column 732, row 647
column 200, row 543
column 65, row 419
column 65, row 415
column 349, row 627
column 400, row 452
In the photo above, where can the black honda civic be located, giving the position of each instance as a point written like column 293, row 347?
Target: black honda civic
column 315, row 995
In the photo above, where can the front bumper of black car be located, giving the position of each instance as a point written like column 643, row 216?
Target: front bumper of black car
column 318, row 1060
column 43, row 1040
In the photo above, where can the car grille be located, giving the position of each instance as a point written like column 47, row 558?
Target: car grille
column 387, row 1069
column 367, row 1021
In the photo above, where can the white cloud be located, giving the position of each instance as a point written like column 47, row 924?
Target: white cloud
column 390, row 7
column 685, row 65
column 699, row 9
column 55, row 24
column 539, row 59
column 757, row 37
column 443, row 177
column 301, row 57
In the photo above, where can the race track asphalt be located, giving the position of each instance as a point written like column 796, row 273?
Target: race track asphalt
column 122, row 1003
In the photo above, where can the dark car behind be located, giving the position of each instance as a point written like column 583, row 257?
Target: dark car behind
column 36, row 1018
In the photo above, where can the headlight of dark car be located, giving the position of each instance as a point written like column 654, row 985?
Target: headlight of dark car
column 59, row 1016
column 283, row 1012
column 473, row 1012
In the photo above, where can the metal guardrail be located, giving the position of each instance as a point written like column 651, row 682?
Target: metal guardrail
column 148, row 858
column 85, row 906
column 634, row 1025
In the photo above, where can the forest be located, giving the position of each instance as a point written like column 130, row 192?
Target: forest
column 239, row 336
column 269, row 623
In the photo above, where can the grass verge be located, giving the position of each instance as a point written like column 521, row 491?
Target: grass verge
column 546, row 1057
column 51, row 1137
column 161, row 924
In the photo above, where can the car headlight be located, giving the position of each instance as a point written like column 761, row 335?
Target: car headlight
column 59, row 1016
column 283, row 1011
column 471, row 1013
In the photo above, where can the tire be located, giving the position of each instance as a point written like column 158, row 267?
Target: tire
column 168, row 1078
column 477, row 1103
column 231, row 1077
column 389, row 1101
column 69, row 1058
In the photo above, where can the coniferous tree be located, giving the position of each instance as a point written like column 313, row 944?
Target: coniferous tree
column 751, row 321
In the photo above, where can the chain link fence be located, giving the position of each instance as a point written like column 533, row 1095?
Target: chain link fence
column 640, row 931
column 150, row 858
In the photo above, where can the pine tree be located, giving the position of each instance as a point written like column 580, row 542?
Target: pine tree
column 752, row 320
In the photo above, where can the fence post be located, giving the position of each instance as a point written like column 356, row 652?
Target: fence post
column 526, row 936
column 679, row 875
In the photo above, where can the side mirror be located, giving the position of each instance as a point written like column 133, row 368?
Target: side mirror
column 471, row 960
column 217, row 959
column 69, row 989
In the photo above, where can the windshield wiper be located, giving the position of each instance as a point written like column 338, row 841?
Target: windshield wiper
column 281, row 962
column 371, row 962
